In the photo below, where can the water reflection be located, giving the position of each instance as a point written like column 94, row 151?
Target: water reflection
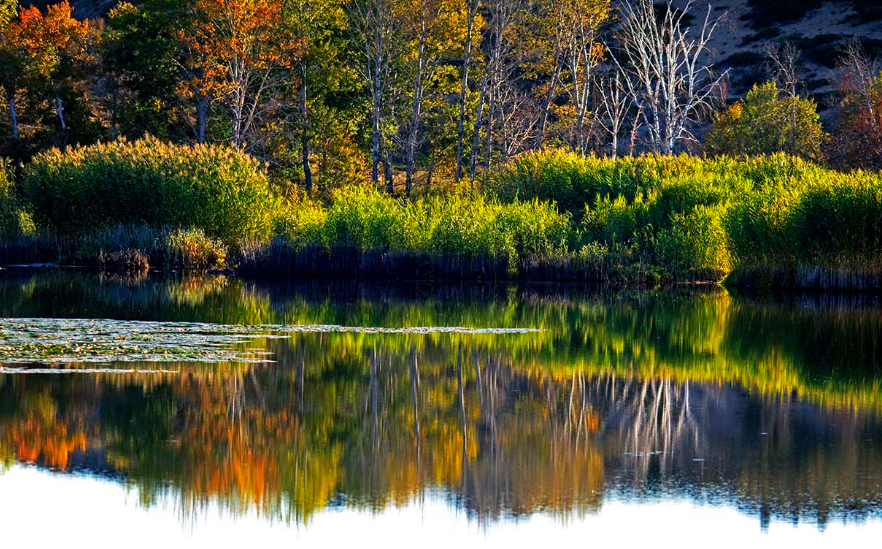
column 769, row 407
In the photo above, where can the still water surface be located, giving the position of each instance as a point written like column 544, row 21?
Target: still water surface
column 233, row 413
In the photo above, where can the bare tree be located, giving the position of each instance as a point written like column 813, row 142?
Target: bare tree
column 784, row 67
column 671, row 81
column 786, row 70
column 615, row 104
column 859, row 73
column 517, row 119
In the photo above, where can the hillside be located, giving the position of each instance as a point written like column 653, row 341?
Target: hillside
column 818, row 28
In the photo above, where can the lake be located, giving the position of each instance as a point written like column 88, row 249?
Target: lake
column 239, row 413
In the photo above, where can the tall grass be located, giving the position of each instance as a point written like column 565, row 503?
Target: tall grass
column 224, row 192
column 546, row 214
column 693, row 218
column 135, row 248
column 464, row 225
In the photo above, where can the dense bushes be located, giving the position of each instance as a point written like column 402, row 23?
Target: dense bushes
column 766, row 121
column 224, row 192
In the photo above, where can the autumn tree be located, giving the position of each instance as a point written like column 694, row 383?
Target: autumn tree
column 580, row 23
column 761, row 124
column 51, row 42
column 436, row 33
column 11, row 68
column 858, row 142
column 238, row 53
column 378, row 26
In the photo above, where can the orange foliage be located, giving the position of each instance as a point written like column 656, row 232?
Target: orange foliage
column 47, row 38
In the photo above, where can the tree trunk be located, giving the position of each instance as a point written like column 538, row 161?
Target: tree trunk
column 375, row 128
column 488, row 146
column 417, row 105
column 431, row 171
column 12, row 116
column 464, row 88
column 59, row 110
column 476, row 138
column 201, row 119
column 387, row 172
column 549, row 97
column 304, row 129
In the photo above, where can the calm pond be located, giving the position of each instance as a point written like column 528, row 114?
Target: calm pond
column 215, row 410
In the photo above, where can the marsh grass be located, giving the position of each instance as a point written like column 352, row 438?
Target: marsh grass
column 224, row 192
column 767, row 220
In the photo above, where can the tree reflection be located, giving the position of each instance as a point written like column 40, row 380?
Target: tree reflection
column 701, row 396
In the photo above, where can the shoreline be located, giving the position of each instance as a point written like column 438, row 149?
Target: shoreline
column 348, row 263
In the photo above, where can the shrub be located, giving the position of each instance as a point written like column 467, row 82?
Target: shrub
column 192, row 250
column 765, row 122
column 224, row 192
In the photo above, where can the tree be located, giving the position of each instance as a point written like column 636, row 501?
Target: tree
column 615, row 104
column 436, row 33
column 473, row 20
column 502, row 14
column 858, row 142
column 761, row 124
column 378, row 27
column 11, row 69
column 669, row 76
column 239, row 49
column 316, row 27
column 139, row 67
column 49, row 42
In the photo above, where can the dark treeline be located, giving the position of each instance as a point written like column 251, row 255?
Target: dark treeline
column 411, row 92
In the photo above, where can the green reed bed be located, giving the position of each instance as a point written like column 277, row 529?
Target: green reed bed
column 553, row 215
column 224, row 192
column 365, row 232
column 774, row 221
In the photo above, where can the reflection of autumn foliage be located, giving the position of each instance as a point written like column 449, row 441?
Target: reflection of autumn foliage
column 51, row 445
column 499, row 424
column 37, row 435
column 376, row 427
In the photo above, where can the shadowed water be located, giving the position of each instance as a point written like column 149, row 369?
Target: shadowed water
column 284, row 402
